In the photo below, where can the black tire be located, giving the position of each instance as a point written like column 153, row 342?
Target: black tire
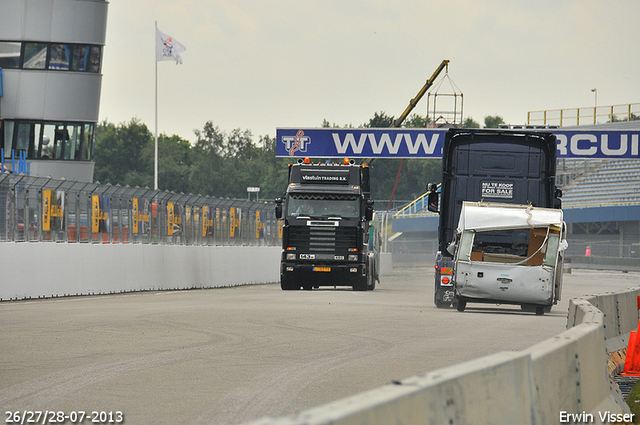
column 529, row 308
column 462, row 304
column 362, row 285
column 442, row 304
column 371, row 284
column 438, row 300
column 539, row 310
column 288, row 285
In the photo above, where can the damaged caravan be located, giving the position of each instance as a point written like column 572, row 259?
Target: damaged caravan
column 508, row 254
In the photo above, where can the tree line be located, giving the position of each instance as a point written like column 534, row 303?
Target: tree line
column 223, row 164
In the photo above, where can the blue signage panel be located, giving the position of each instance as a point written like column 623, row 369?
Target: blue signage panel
column 428, row 142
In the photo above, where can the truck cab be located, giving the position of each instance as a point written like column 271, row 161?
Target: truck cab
column 330, row 232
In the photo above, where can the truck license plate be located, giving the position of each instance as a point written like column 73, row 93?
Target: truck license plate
column 322, row 269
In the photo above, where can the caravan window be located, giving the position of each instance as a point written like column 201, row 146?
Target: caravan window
column 517, row 246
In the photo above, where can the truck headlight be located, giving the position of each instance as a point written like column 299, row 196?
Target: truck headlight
column 353, row 257
column 291, row 256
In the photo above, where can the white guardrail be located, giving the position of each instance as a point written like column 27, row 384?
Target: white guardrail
column 564, row 379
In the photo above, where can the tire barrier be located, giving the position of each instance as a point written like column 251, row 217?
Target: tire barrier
column 564, row 379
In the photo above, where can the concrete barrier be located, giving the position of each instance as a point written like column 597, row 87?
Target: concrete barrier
column 621, row 315
column 41, row 270
column 564, row 379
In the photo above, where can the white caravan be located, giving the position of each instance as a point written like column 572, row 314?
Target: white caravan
column 509, row 254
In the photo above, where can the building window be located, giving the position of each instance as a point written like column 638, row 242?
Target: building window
column 59, row 58
column 35, row 55
column 94, row 59
column 8, row 137
column 50, row 56
column 80, row 56
column 10, row 54
column 49, row 140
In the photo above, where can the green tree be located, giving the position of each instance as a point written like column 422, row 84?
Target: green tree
column 379, row 120
column 174, row 163
column 416, row 121
column 207, row 168
column 493, row 121
column 327, row 124
column 470, row 123
column 632, row 117
column 120, row 154
column 274, row 172
column 224, row 165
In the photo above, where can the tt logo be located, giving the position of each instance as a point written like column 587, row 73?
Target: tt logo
column 297, row 143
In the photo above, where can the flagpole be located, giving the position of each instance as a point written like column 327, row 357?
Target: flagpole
column 155, row 163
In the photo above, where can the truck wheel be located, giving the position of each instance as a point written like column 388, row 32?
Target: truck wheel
column 462, row 304
column 539, row 310
column 439, row 302
column 362, row 285
column 371, row 285
column 288, row 285
column 442, row 304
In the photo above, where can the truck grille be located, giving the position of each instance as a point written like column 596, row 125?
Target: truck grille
column 322, row 239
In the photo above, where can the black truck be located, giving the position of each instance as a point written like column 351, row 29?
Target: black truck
column 330, row 232
column 512, row 166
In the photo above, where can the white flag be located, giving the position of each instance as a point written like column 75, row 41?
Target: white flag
column 168, row 48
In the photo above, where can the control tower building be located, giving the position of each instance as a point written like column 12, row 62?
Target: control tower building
column 50, row 62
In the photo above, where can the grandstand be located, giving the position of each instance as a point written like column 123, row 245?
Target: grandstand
column 604, row 182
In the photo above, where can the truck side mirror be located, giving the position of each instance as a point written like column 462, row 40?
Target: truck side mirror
column 557, row 202
column 278, row 208
column 432, row 197
column 368, row 212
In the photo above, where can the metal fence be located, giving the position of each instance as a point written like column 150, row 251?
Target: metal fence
column 38, row 209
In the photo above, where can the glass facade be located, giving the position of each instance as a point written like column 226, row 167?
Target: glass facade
column 49, row 140
column 50, row 56
column 43, row 139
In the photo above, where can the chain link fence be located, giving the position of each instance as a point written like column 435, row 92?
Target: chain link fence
column 39, row 209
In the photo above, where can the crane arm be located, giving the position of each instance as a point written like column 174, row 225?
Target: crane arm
column 412, row 104
column 423, row 90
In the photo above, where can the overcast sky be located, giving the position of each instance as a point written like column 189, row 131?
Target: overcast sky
column 260, row 65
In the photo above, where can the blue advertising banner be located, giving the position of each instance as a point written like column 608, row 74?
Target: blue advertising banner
column 428, row 142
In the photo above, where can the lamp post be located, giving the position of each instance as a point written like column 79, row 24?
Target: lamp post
column 595, row 105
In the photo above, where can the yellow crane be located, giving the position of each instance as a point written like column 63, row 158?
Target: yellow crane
column 413, row 102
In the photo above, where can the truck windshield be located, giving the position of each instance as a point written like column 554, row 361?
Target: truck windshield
column 323, row 205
